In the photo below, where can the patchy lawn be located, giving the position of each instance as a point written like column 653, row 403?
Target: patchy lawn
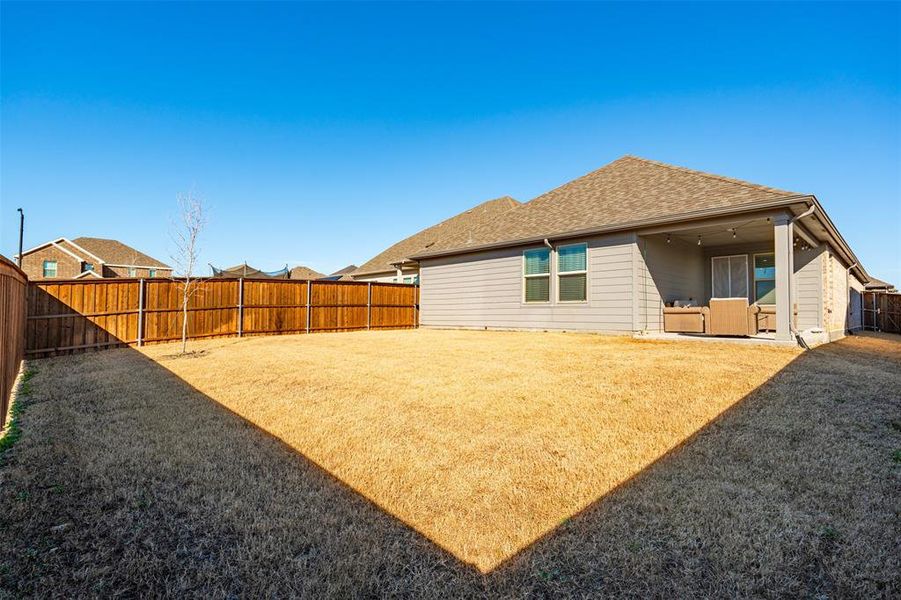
column 458, row 463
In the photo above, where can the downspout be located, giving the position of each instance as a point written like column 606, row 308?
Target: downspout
column 806, row 213
column 791, row 317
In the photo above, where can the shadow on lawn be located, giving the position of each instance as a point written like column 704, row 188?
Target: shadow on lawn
column 191, row 498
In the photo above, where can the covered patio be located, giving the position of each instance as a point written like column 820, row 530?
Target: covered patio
column 753, row 275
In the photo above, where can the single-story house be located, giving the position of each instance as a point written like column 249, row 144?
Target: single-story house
column 302, row 272
column 63, row 258
column 614, row 250
column 877, row 285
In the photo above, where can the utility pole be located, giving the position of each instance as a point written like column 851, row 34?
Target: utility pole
column 21, row 231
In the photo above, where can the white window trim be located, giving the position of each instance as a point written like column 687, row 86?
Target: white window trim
column 712, row 290
column 560, row 273
column 549, row 274
column 753, row 292
column 44, row 268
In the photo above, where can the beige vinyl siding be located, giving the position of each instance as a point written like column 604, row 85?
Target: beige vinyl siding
column 485, row 289
column 669, row 271
column 809, row 287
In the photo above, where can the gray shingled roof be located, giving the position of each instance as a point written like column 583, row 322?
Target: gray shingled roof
column 457, row 227
column 628, row 190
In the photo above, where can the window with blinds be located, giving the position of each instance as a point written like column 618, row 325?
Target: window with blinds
column 537, row 275
column 730, row 276
column 572, row 273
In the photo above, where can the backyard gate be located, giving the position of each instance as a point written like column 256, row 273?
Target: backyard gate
column 882, row 311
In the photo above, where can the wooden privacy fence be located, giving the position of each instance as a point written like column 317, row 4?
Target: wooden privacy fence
column 75, row 316
column 13, row 283
column 882, row 311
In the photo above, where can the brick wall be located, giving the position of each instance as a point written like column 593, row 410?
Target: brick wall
column 66, row 266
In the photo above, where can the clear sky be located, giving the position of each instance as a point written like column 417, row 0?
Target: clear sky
column 322, row 133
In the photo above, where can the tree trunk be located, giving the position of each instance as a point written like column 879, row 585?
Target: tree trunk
column 184, row 323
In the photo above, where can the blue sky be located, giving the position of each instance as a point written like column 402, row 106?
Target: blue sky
column 322, row 133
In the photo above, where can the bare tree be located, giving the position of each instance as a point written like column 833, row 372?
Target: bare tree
column 185, row 235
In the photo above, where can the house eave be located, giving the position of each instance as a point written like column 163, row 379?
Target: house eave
column 627, row 226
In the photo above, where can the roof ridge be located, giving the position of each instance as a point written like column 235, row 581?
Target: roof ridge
column 742, row 182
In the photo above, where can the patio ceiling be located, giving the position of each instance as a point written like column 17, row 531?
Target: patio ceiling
column 739, row 232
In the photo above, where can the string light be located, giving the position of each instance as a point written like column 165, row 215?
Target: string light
column 699, row 240
column 668, row 240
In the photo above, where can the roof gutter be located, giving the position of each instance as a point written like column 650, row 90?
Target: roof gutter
column 842, row 245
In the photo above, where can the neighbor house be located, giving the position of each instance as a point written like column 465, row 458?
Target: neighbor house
column 341, row 274
column 81, row 257
column 619, row 248
column 302, row 272
column 877, row 285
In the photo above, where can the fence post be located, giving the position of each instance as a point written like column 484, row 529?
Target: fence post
column 240, row 306
column 369, row 305
column 309, row 298
column 141, row 312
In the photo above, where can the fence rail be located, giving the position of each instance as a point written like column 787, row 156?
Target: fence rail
column 882, row 311
column 13, row 283
column 76, row 315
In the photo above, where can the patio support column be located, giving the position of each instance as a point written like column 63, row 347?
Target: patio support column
column 784, row 252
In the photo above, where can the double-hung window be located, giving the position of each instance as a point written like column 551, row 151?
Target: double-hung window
column 537, row 275
column 132, row 271
column 730, row 276
column 765, row 278
column 49, row 268
column 151, row 273
column 87, row 267
column 572, row 273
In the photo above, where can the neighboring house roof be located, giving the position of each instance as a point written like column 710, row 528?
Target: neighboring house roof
column 458, row 227
column 110, row 252
column 302, row 272
column 245, row 270
column 344, row 271
column 878, row 284
column 341, row 274
column 114, row 252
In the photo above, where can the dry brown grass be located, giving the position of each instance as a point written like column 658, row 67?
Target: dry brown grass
column 482, row 443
